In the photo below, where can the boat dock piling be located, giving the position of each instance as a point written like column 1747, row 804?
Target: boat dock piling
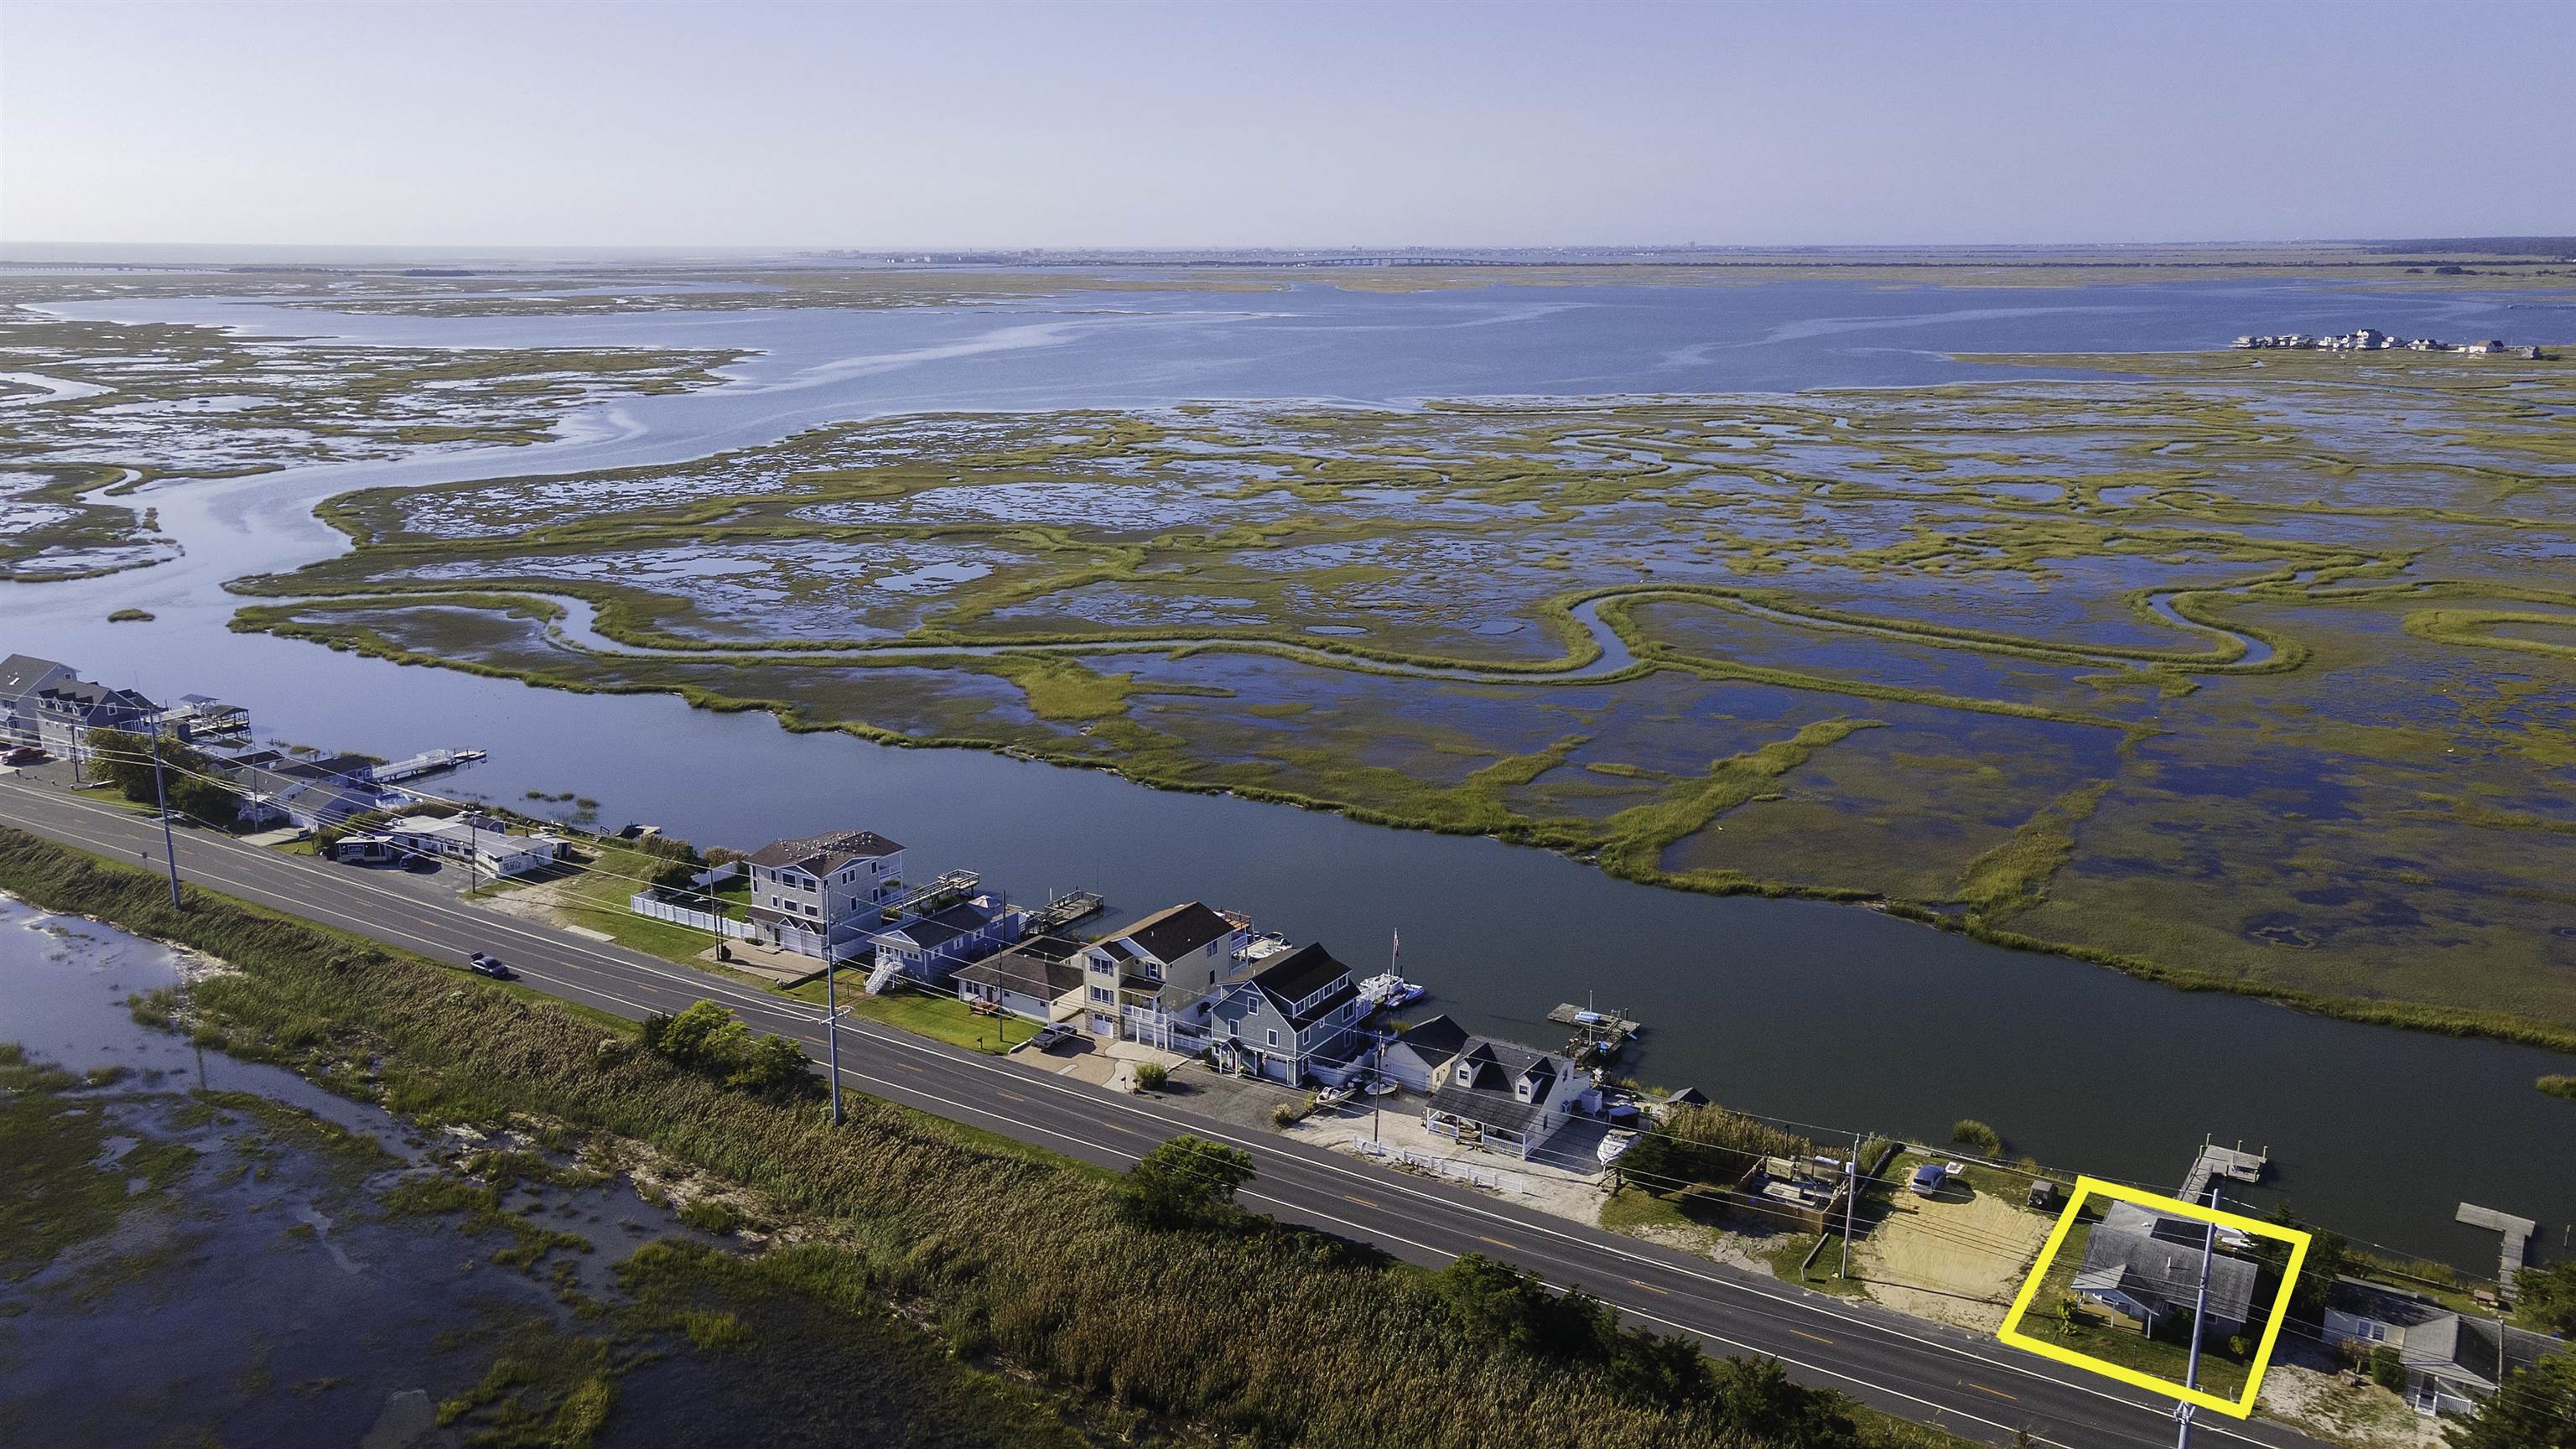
column 2233, row 1163
column 2517, row 1239
column 427, row 762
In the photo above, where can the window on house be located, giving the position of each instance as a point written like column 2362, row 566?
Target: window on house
column 1274, row 1038
column 1102, row 995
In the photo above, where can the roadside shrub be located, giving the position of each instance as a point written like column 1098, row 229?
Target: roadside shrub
column 1187, row 1182
column 1969, row 1132
column 1150, row 1076
column 2387, row 1370
column 713, row 1042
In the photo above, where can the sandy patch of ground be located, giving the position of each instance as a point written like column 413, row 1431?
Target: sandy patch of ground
column 2328, row 1407
column 1565, row 1192
column 1952, row 1262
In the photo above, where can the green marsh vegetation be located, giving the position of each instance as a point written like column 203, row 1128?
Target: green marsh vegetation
column 2253, row 680
column 195, row 403
column 1023, row 1260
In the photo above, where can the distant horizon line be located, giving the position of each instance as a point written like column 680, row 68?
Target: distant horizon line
column 35, row 252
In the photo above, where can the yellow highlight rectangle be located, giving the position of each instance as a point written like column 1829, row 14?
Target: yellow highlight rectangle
column 2241, row 1407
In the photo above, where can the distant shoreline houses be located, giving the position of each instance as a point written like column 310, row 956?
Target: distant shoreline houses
column 2371, row 339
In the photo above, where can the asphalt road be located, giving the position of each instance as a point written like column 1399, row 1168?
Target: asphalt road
column 1972, row 1386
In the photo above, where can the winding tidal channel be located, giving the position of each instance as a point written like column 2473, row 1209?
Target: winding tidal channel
column 1835, row 1017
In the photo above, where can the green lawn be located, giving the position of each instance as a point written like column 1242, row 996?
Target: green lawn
column 594, row 896
column 941, row 1018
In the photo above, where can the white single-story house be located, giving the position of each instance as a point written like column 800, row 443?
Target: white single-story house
column 2451, row 1360
column 1039, row 979
column 491, row 846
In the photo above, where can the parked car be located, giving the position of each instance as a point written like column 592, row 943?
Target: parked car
column 1928, row 1179
column 23, row 755
column 1049, row 1034
column 492, row 966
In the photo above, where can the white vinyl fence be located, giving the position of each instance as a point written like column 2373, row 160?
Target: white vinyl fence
column 645, row 903
column 1449, row 1167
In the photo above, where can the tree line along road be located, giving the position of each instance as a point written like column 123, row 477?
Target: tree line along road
column 1969, row 1385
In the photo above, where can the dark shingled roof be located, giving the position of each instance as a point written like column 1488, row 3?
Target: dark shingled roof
column 823, row 854
column 1497, row 1110
column 1436, row 1040
column 1176, row 931
column 1298, row 974
column 1026, row 971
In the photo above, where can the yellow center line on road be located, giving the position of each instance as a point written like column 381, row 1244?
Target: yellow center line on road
column 1007, row 1092
column 1649, row 1287
column 1998, row 1393
column 1818, row 1337
column 1497, row 1242
column 1363, row 1202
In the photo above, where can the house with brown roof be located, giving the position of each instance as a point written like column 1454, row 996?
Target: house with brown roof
column 822, row 892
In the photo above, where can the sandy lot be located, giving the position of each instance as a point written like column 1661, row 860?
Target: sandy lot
column 1953, row 1262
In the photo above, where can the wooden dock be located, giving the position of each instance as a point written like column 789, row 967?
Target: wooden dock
column 2517, row 1232
column 1064, row 910
column 2233, row 1163
column 1569, row 1014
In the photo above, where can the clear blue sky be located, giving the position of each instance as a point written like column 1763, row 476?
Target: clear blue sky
column 1064, row 124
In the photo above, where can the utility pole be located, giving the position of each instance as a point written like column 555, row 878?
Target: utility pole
column 1851, row 1195
column 473, row 847
column 832, row 1024
column 1377, row 1073
column 161, row 797
column 2199, row 1313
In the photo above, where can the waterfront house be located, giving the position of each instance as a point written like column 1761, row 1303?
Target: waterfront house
column 1416, row 1055
column 1290, row 1014
column 311, row 792
column 944, row 934
column 22, row 678
column 2144, row 1268
column 1039, row 979
column 1155, row 980
column 2451, row 1359
column 485, row 843
column 53, row 708
column 818, row 895
column 1504, row 1097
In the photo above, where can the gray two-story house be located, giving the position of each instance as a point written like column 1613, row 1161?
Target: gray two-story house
column 53, row 708
column 22, row 678
column 1287, row 1015
column 818, row 896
